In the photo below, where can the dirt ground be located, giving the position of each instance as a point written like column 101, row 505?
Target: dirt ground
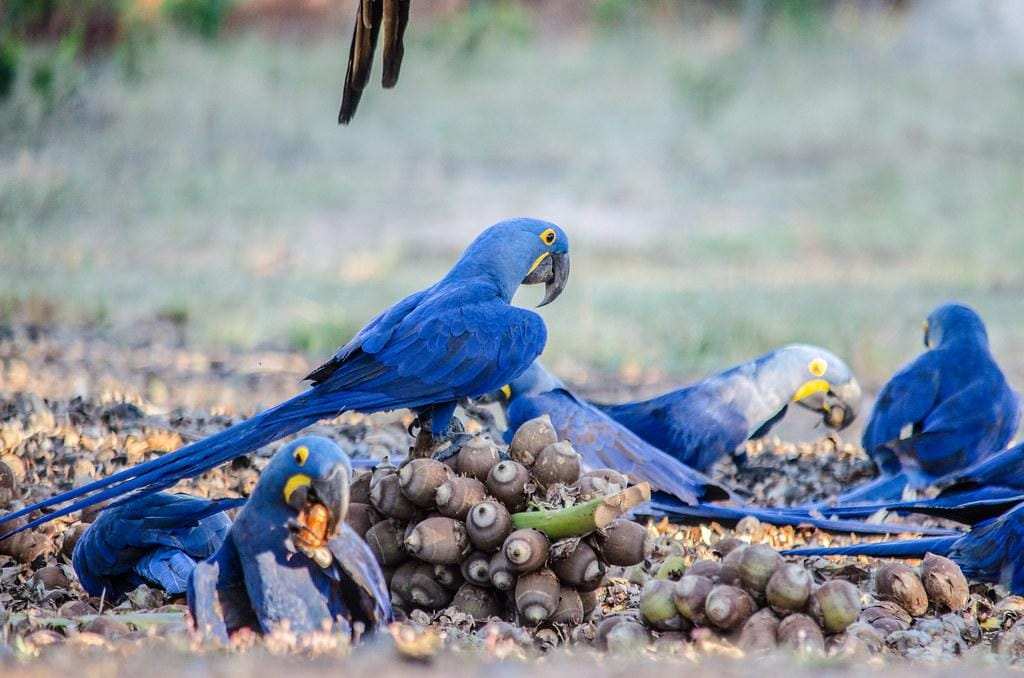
column 79, row 403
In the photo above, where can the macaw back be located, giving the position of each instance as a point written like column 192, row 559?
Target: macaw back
column 958, row 407
column 604, row 443
column 697, row 425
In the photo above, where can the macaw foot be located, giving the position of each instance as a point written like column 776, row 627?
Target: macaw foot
column 441, row 447
column 483, row 415
column 451, row 445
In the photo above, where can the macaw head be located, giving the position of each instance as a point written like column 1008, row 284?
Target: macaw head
column 951, row 322
column 519, row 252
column 828, row 386
column 310, row 477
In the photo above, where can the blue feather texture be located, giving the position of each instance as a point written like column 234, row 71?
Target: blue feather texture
column 600, row 441
column 701, row 423
column 986, row 490
column 991, row 552
column 262, row 579
column 681, row 493
column 953, row 400
column 459, row 338
column 154, row 540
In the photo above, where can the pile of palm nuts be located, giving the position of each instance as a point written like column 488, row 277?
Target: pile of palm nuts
column 761, row 602
column 445, row 533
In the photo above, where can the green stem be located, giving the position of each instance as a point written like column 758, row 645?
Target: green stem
column 582, row 519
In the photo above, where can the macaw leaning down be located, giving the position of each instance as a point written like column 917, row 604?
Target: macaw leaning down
column 154, row 540
column 707, row 420
column 459, row 338
column 290, row 560
column 953, row 399
column 991, row 552
column 988, row 489
column 681, row 492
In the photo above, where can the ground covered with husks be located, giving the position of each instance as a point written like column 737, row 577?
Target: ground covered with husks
column 77, row 404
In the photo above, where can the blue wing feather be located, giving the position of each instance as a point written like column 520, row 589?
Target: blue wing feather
column 603, row 443
column 435, row 347
column 354, row 563
column 162, row 533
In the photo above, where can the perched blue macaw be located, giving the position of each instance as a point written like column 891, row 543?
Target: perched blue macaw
column 702, row 422
column 290, row 560
column 154, row 540
column 991, row 552
column 953, row 399
column 986, row 490
column 459, row 338
column 681, row 492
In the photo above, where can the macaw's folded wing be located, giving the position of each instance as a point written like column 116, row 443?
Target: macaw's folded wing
column 360, row 580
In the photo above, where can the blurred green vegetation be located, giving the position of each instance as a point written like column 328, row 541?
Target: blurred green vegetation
column 724, row 196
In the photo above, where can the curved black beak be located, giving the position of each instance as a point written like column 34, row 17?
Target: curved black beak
column 841, row 405
column 332, row 492
column 553, row 271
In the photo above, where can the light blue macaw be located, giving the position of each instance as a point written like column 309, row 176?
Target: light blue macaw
column 701, row 423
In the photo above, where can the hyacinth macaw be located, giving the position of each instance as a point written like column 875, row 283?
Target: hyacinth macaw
column 986, row 490
column 954, row 402
column 991, row 552
column 702, row 422
column 681, row 493
column 290, row 560
column 154, row 540
column 373, row 17
column 459, row 338
column 600, row 441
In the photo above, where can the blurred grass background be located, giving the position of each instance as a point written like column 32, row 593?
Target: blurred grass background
column 734, row 175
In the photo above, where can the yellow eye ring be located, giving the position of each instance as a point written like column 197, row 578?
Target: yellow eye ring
column 301, row 454
column 817, row 367
column 548, row 236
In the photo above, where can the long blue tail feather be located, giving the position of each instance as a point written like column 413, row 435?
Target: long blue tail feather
column 906, row 548
column 966, row 506
column 882, row 488
column 664, row 505
column 189, row 461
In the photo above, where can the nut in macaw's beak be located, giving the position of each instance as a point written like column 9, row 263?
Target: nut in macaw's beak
column 841, row 405
column 553, row 271
column 322, row 504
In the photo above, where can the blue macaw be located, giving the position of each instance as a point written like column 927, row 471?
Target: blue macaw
column 459, row 338
column 682, row 492
column 707, row 420
column 600, row 441
column 954, row 400
column 290, row 560
column 154, row 540
column 991, row 552
column 986, row 490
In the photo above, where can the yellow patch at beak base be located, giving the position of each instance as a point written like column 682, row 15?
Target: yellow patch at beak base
column 506, row 391
column 811, row 387
column 295, row 482
column 536, row 262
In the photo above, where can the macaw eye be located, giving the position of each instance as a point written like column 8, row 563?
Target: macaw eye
column 548, row 236
column 301, row 454
column 817, row 367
